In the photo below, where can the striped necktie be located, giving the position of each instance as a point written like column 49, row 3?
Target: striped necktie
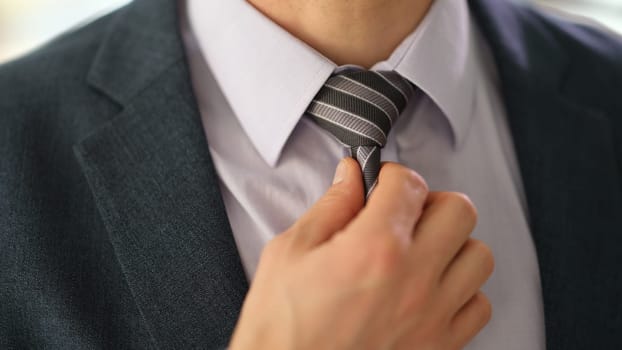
column 359, row 108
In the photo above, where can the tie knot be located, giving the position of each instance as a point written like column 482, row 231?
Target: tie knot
column 359, row 107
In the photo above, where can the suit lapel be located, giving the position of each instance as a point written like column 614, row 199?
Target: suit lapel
column 151, row 175
column 569, row 169
column 570, row 174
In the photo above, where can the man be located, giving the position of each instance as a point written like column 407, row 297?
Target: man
column 123, row 228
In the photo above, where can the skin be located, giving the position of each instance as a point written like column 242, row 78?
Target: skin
column 398, row 273
column 361, row 32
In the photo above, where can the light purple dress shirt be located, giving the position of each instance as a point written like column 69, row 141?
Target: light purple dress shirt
column 253, row 81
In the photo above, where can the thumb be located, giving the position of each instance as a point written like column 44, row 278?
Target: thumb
column 331, row 213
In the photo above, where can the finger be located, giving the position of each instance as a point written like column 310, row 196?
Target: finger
column 467, row 273
column 447, row 221
column 339, row 205
column 470, row 320
column 395, row 204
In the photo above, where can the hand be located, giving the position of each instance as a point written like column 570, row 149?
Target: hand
column 398, row 273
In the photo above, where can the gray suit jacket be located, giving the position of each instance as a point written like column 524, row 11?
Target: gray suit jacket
column 113, row 233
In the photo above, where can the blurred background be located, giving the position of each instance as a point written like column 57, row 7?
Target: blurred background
column 26, row 24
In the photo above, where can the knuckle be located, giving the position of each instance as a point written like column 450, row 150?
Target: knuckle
column 484, row 253
column 489, row 264
column 386, row 253
column 414, row 301
column 413, row 188
column 415, row 181
column 409, row 178
column 486, row 308
column 463, row 205
column 421, row 295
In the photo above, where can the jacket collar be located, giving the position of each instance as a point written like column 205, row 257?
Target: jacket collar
column 141, row 43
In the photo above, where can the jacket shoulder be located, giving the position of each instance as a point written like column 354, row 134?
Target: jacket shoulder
column 594, row 53
column 53, row 69
column 46, row 106
column 45, row 95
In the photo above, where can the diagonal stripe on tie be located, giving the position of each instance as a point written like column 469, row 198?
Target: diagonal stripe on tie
column 359, row 108
column 354, row 88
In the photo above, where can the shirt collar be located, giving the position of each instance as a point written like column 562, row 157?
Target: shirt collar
column 269, row 77
column 438, row 57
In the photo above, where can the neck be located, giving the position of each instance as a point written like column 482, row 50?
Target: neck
column 361, row 32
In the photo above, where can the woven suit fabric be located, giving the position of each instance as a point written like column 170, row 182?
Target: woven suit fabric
column 359, row 107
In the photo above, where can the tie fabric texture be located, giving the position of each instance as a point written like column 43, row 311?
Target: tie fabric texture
column 359, row 108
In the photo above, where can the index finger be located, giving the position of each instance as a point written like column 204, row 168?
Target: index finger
column 396, row 203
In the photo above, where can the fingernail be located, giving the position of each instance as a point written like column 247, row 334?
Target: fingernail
column 340, row 173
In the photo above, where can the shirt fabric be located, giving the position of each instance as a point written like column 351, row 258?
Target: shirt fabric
column 253, row 82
